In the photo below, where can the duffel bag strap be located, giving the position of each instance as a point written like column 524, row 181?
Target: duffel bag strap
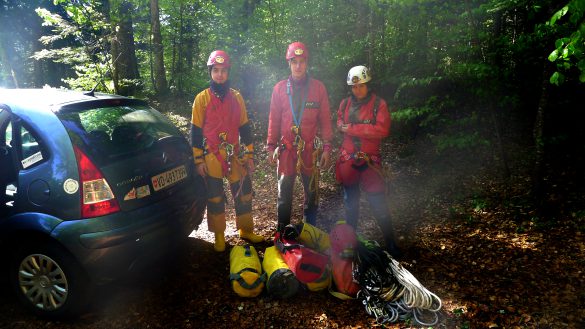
column 311, row 268
column 282, row 247
column 243, row 283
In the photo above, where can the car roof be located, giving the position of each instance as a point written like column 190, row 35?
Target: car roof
column 49, row 98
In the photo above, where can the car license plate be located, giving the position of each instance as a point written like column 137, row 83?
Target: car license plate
column 168, row 178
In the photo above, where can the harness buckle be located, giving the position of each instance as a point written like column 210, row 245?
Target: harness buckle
column 360, row 155
column 229, row 149
column 300, row 143
column 317, row 143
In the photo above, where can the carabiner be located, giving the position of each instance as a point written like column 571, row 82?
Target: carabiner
column 229, row 149
column 317, row 143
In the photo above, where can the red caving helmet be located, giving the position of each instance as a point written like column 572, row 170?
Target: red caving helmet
column 219, row 57
column 297, row 49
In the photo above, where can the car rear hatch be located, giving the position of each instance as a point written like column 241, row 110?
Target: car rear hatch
column 142, row 156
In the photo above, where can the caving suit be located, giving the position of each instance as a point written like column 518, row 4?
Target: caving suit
column 359, row 164
column 299, row 112
column 218, row 124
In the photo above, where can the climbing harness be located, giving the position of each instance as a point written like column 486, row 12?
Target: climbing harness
column 389, row 291
column 373, row 161
column 297, row 121
column 229, row 151
column 345, row 105
column 296, row 128
column 232, row 156
column 299, row 143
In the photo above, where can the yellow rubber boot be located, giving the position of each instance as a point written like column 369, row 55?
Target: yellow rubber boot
column 219, row 245
column 250, row 236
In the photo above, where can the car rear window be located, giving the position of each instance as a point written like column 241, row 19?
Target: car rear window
column 117, row 132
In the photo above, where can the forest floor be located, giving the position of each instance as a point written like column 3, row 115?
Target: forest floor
column 465, row 237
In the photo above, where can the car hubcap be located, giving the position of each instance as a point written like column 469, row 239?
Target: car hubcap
column 43, row 282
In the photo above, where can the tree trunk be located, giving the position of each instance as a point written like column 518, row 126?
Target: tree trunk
column 160, row 78
column 179, row 68
column 539, row 188
column 6, row 56
column 124, row 53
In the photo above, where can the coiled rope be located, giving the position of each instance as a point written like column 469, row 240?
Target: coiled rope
column 389, row 291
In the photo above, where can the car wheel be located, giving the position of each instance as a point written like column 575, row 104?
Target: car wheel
column 49, row 281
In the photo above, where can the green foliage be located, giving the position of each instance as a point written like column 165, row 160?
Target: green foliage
column 450, row 71
column 569, row 50
column 83, row 32
column 411, row 113
column 459, row 141
column 88, row 75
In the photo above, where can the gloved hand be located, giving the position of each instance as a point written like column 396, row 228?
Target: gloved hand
column 202, row 169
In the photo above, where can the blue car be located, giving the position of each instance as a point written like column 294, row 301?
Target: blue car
column 92, row 186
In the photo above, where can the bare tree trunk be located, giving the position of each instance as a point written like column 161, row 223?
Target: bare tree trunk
column 124, row 53
column 539, row 188
column 6, row 57
column 494, row 109
column 160, row 78
column 179, row 67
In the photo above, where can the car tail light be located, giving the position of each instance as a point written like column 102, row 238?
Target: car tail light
column 97, row 198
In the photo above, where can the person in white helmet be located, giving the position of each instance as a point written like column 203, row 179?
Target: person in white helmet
column 364, row 120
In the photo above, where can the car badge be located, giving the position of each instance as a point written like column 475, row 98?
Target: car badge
column 219, row 59
column 298, row 51
column 70, row 186
column 164, row 157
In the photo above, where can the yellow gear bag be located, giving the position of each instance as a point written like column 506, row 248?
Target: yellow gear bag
column 313, row 237
column 246, row 271
column 281, row 280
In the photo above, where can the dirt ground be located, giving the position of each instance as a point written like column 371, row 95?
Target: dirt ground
column 490, row 266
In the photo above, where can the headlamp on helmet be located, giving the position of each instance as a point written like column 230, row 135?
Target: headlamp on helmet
column 297, row 49
column 358, row 74
column 219, row 57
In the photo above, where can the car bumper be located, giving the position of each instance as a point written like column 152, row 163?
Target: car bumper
column 110, row 246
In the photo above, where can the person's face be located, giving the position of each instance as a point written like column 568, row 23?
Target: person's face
column 360, row 90
column 219, row 73
column 298, row 67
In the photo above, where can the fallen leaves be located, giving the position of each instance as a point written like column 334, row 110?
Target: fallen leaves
column 492, row 266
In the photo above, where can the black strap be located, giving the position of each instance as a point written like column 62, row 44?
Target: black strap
column 243, row 283
column 311, row 268
column 284, row 248
column 376, row 106
column 346, row 102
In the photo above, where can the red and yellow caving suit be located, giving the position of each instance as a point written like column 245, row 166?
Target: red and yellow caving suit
column 217, row 128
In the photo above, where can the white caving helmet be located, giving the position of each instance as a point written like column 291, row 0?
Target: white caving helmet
column 358, row 74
